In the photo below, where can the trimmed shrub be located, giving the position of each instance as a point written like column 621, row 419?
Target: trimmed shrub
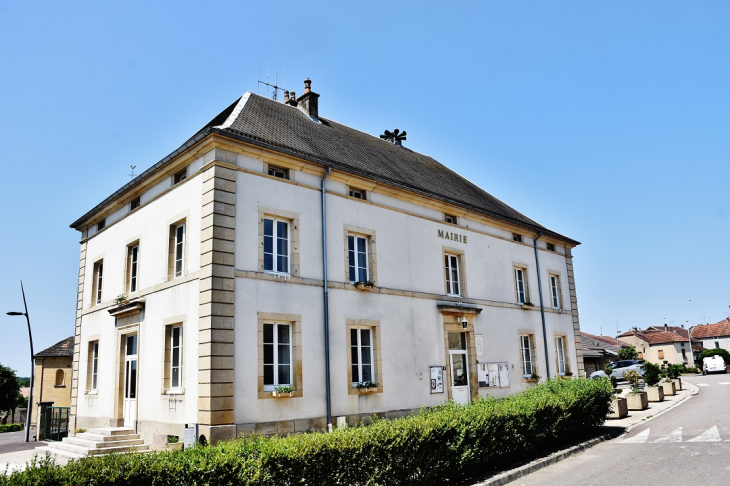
column 442, row 442
column 10, row 428
column 652, row 373
column 715, row 352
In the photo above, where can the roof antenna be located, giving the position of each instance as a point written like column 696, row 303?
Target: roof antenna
column 132, row 174
column 269, row 85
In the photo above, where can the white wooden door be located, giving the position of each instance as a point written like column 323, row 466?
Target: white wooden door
column 130, row 381
column 460, row 392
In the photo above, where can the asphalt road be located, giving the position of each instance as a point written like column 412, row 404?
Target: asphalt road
column 15, row 441
column 687, row 445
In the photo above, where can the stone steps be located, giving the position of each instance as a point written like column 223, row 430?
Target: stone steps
column 97, row 442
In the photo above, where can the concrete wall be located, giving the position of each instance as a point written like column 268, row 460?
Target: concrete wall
column 723, row 342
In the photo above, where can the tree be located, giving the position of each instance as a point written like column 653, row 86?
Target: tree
column 9, row 389
column 715, row 352
column 628, row 353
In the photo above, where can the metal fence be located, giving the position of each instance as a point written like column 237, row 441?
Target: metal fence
column 55, row 423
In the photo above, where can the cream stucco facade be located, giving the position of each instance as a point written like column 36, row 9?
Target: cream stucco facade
column 223, row 298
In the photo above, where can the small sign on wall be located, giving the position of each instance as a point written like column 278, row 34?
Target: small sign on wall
column 479, row 344
column 437, row 379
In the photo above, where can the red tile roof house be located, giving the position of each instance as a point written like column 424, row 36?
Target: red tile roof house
column 660, row 344
column 599, row 351
column 713, row 336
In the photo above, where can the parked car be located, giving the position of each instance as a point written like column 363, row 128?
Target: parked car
column 620, row 367
column 713, row 364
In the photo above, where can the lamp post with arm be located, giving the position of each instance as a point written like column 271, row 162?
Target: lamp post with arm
column 29, row 410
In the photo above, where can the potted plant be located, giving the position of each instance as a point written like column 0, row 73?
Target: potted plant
column 609, row 375
column 281, row 391
column 668, row 386
column 121, row 300
column 674, row 374
column 367, row 285
column 636, row 400
column 652, row 375
column 173, row 443
column 527, row 305
column 619, row 408
column 534, row 378
column 568, row 375
column 367, row 386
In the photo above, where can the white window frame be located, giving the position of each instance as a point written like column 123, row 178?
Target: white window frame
column 526, row 356
column 176, row 364
column 274, row 171
column 355, row 254
column 555, row 291
column 94, row 365
column 352, row 192
column 99, row 280
column 560, row 355
column 517, row 237
column 450, row 218
column 359, row 353
column 521, row 294
column 179, row 176
column 275, row 364
column 178, row 249
column 275, row 236
column 133, row 252
column 453, row 283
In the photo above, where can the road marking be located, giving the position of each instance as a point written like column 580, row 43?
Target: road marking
column 725, row 383
column 675, row 436
column 711, row 435
column 702, row 384
column 639, row 438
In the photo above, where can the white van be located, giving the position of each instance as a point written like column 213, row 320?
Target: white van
column 713, row 364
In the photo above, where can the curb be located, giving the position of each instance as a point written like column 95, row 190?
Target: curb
column 538, row 464
column 684, row 399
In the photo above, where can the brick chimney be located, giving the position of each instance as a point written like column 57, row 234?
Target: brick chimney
column 309, row 101
column 290, row 100
column 666, row 328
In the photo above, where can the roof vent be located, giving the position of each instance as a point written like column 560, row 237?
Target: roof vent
column 396, row 136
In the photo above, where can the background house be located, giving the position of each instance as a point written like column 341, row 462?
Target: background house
column 660, row 344
column 598, row 351
column 713, row 336
column 52, row 386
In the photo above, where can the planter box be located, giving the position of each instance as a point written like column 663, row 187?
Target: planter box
column 677, row 384
column 276, row 394
column 127, row 309
column 637, row 401
column 367, row 390
column 669, row 388
column 176, row 446
column 655, row 393
column 619, row 409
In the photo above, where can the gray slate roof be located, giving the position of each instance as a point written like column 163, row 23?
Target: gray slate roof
column 283, row 128
column 61, row 348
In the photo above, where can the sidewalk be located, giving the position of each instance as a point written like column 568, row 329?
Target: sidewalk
column 635, row 417
column 15, row 453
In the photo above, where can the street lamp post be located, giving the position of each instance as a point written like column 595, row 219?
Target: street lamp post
column 29, row 410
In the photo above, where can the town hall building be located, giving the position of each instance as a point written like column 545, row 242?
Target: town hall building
column 281, row 272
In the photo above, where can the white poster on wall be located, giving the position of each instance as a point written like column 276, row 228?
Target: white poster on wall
column 493, row 375
column 437, row 379
column 479, row 344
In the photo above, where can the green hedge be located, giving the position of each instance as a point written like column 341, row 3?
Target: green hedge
column 441, row 442
column 10, row 428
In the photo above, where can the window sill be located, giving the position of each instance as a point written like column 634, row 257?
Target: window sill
column 273, row 394
column 59, row 386
column 365, row 391
column 174, row 392
column 92, row 393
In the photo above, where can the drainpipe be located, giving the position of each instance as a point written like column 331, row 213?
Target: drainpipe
column 326, row 303
column 542, row 307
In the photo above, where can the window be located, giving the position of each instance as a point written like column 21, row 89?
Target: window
column 93, row 366
column 661, row 354
column 176, row 253
column 101, row 225
column 684, row 353
column 132, row 267
column 276, row 245
column 180, row 176
column 357, row 258
column 451, row 266
column 517, row 237
column 551, row 247
column 555, row 293
column 450, row 218
column 176, row 356
column 717, row 344
column 521, row 286
column 527, row 353
column 357, row 193
column 277, row 172
column 134, row 204
column 60, row 377
column 560, row 355
column 277, row 355
column 97, row 284
column 362, row 356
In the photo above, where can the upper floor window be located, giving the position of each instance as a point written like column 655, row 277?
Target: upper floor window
column 134, row 204
column 132, row 267
column 357, row 193
column 176, row 357
column 277, row 355
column 517, row 237
column 60, row 378
column 357, row 258
column 560, row 355
column 449, row 218
column 555, row 293
column 527, row 354
column 276, row 245
column 521, row 286
column 278, row 172
column 176, row 265
column 551, row 247
column 101, row 224
column 451, row 264
column 362, row 355
column 97, row 284
column 180, row 176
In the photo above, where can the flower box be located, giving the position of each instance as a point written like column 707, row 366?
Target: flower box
column 637, row 401
column 668, row 388
column 277, row 394
column 654, row 393
column 619, row 409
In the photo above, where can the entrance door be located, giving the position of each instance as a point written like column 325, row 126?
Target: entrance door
column 130, row 381
column 460, row 391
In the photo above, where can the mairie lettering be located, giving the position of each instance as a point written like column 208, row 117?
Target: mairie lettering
column 452, row 236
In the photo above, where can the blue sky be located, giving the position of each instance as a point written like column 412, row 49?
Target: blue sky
column 605, row 121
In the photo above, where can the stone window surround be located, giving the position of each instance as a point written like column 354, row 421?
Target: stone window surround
column 561, row 302
column 524, row 267
column 459, row 254
column 359, row 189
column 374, row 327
column 566, row 352
column 289, row 171
column 294, row 320
column 172, row 223
column 294, row 258
column 94, row 280
column 533, row 353
column 89, row 363
column 369, row 234
column 127, row 266
column 167, row 325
